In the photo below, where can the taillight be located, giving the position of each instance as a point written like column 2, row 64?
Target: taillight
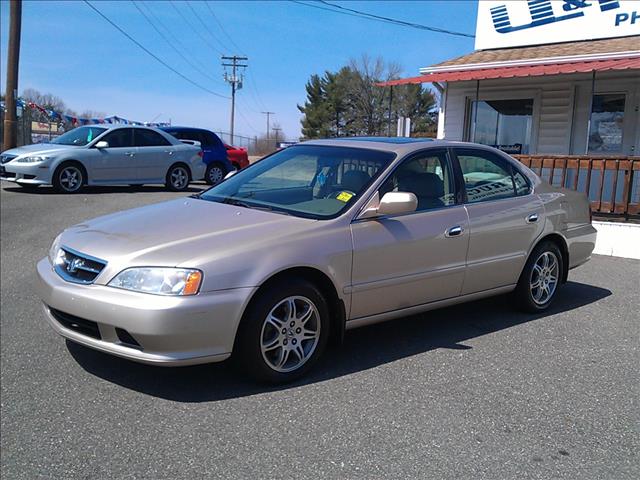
column 201, row 154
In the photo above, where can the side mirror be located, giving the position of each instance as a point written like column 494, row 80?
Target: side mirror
column 230, row 174
column 392, row 203
column 102, row 144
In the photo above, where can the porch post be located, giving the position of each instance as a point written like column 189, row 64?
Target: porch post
column 593, row 91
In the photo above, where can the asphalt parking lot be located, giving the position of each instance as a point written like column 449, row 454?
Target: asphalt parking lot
column 473, row 391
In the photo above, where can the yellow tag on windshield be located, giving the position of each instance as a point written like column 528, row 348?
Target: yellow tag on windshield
column 344, row 196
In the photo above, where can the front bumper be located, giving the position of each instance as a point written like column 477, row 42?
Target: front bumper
column 30, row 174
column 169, row 330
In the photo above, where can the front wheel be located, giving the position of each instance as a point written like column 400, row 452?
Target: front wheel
column 284, row 332
column 68, row 178
column 540, row 279
column 177, row 179
column 215, row 173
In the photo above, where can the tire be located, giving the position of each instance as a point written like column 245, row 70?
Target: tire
column 69, row 178
column 275, row 346
column 178, row 178
column 540, row 279
column 215, row 173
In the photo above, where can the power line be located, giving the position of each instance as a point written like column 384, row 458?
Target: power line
column 195, row 29
column 204, row 26
column 233, row 43
column 151, row 54
column 330, row 7
column 254, row 89
column 195, row 67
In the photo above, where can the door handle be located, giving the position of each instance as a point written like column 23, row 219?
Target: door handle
column 129, row 154
column 533, row 218
column 170, row 152
column 454, row 231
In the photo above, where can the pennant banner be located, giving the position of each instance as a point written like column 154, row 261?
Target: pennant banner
column 75, row 121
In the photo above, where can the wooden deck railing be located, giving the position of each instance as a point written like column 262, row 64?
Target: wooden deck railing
column 612, row 183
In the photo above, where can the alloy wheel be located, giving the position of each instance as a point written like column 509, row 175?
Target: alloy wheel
column 179, row 178
column 215, row 175
column 544, row 277
column 70, row 178
column 290, row 334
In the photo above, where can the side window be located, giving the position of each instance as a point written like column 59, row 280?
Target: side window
column 426, row 175
column 210, row 140
column 486, row 176
column 149, row 138
column 122, row 137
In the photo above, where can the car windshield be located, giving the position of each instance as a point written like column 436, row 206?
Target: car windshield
column 79, row 136
column 310, row 181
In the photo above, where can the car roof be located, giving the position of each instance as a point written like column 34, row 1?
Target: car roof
column 184, row 129
column 398, row 145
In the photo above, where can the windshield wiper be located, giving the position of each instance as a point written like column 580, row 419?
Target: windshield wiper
column 239, row 203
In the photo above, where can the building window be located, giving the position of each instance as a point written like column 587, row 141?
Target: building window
column 607, row 117
column 504, row 124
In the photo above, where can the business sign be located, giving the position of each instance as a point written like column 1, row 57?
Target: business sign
column 504, row 23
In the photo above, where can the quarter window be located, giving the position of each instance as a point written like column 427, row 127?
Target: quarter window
column 488, row 177
column 427, row 176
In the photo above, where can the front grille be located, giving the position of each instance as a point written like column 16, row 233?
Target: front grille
column 77, row 267
column 77, row 324
column 7, row 175
column 6, row 158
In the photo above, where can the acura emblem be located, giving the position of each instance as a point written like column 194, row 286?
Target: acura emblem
column 74, row 264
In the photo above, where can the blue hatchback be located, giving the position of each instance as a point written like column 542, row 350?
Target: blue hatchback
column 215, row 153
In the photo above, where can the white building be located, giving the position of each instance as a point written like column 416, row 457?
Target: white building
column 557, row 84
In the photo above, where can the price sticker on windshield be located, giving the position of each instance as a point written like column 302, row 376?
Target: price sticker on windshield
column 344, row 196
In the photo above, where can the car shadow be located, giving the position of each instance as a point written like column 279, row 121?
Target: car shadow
column 362, row 349
column 98, row 190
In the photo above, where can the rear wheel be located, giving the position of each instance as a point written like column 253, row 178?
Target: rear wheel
column 284, row 332
column 540, row 279
column 215, row 173
column 68, row 178
column 177, row 179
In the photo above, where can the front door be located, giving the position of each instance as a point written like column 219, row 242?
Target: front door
column 412, row 259
column 505, row 218
column 116, row 163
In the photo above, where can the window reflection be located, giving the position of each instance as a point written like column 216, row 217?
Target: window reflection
column 607, row 117
column 504, row 124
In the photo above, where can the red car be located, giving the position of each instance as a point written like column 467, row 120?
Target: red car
column 238, row 156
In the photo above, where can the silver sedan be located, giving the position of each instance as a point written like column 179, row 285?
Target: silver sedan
column 321, row 237
column 104, row 155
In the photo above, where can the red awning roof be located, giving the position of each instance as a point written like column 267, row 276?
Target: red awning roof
column 521, row 71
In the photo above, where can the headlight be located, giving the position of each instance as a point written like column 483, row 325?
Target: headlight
column 33, row 159
column 55, row 253
column 161, row 281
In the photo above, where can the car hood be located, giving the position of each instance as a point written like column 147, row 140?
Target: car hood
column 38, row 148
column 185, row 232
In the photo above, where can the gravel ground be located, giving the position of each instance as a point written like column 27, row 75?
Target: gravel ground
column 473, row 391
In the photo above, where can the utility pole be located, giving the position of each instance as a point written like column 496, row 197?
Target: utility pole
column 13, row 57
column 236, row 82
column 268, row 114
column 276, row 129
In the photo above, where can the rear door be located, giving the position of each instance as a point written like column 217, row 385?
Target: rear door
column 154, row 155
column 117, row 162
column 505, row 218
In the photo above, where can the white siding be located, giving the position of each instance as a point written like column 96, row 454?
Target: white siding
column 554, row 99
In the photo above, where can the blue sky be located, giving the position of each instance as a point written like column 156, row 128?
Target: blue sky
column 68, row 50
